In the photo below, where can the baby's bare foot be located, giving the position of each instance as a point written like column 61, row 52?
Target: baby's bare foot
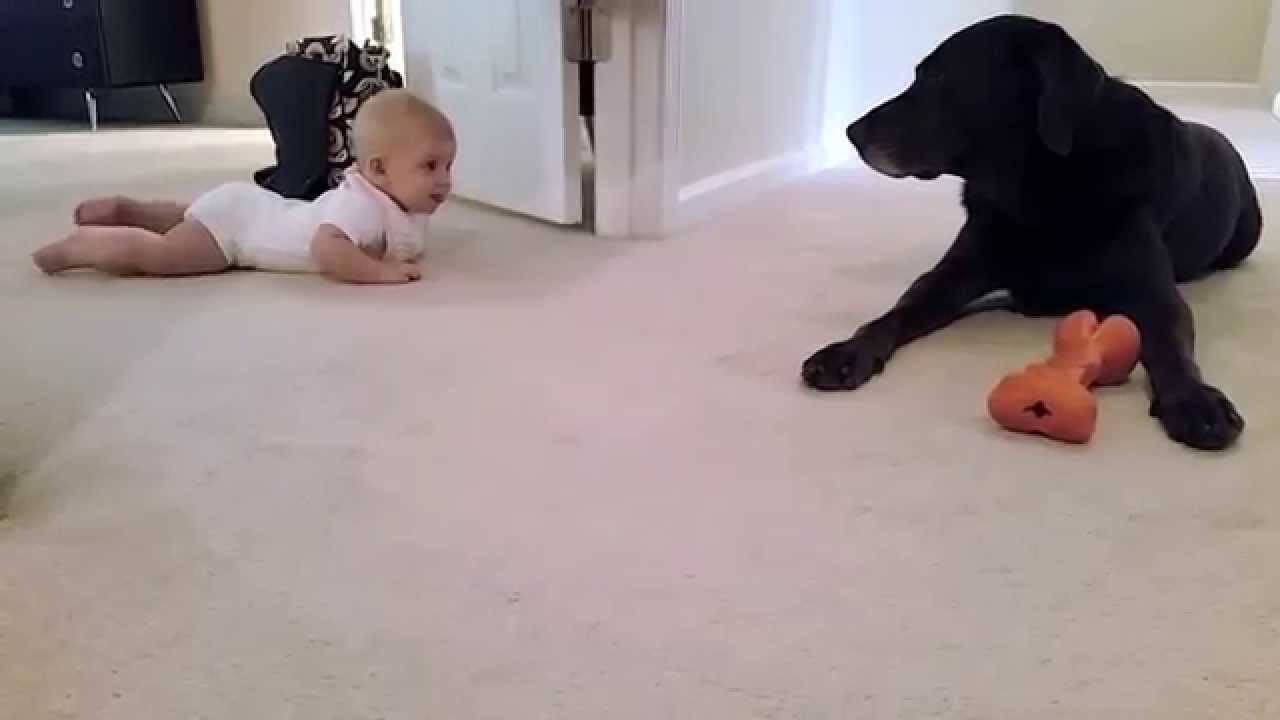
column 52, row 258
column 103, row 211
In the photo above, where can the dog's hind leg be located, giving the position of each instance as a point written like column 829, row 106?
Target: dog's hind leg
column 1247, row 234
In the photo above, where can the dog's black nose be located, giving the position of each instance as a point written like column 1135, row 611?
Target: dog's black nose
column 857, row 133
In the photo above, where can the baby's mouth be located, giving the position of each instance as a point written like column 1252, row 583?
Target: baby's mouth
column 438, row 198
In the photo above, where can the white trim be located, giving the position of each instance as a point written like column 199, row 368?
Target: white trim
column 699, row 200
column 672, row 110
column 654, row 114
column 1269, row 70
column 615, row 129
column 739, row 175
column 1206, row 93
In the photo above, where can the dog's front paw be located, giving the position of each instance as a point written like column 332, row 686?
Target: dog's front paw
column 848, row 365
column 1199, row 416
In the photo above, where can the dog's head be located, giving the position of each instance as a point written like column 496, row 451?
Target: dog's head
column 1004, row 84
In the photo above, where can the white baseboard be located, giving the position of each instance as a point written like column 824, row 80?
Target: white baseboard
column 1206, row 93
column 699, row 200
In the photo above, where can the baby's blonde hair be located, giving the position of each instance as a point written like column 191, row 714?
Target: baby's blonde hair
column 387, row 118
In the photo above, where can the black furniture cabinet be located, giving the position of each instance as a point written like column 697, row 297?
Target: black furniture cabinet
column 93, row 45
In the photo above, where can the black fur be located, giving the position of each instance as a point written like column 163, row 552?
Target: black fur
column 1080, row 191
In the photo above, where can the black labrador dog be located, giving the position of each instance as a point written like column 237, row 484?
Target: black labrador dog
column 1080, row 192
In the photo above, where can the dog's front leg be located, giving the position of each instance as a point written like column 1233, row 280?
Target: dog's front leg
column 935, row 300
column 1143, row 287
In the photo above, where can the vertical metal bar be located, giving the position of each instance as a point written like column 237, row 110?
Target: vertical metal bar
column 173, row 104
column 91, row 104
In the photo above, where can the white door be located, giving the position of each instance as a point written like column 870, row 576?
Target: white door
column 497, row 68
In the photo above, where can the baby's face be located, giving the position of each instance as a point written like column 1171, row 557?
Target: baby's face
column 419, row 175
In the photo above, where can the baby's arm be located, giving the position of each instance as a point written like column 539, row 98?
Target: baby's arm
column 339, row 258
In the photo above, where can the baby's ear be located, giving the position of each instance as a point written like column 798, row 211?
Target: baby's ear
column 377, row 166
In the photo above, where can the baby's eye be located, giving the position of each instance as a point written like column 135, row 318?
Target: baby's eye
column 432, row 165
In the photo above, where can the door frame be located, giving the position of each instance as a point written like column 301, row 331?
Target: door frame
column 637, row 121
column 360, row 15
column 639, row 106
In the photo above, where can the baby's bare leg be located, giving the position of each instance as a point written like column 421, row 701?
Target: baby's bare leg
column 119, row 211
column 188, row 249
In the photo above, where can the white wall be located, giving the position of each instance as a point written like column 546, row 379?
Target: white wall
column 1166, row 40
column 746, row 76
column 873, row 49
column 767, row 87
column 764, row 81
column 1269, row 75
column 239, row 36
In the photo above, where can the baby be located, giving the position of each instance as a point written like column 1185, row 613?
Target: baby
column 370, row 230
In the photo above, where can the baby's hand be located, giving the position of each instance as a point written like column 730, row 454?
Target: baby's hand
column 401, row 254
column 399, row 273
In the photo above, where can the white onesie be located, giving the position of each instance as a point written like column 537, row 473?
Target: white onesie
column 256, row 228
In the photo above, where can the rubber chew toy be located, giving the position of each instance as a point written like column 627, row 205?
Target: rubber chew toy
column 1053, row 398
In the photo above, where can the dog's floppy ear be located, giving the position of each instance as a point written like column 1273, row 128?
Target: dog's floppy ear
column 1070, row 83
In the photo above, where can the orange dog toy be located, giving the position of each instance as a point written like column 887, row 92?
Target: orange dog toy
column 1053, row 398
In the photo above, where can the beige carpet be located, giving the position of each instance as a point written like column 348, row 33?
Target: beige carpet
column 575, row 478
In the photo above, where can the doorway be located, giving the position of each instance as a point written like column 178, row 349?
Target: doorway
column 380, row 22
